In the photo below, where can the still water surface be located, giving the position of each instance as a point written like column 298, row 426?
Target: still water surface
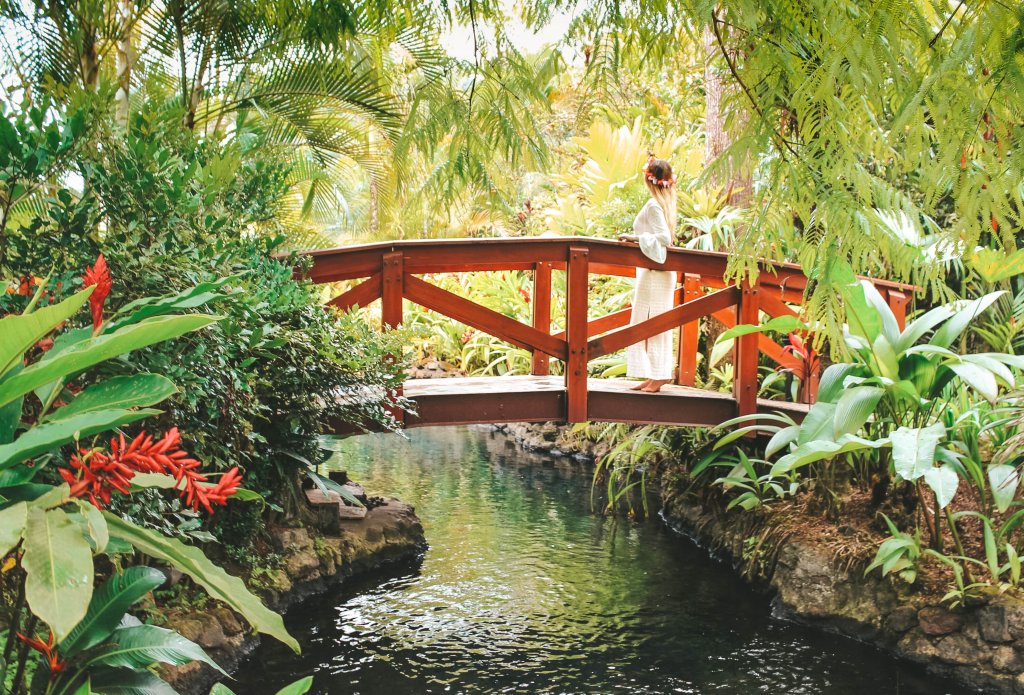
column 524, row 590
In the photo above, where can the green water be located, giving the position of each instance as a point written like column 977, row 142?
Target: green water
column 524, row 590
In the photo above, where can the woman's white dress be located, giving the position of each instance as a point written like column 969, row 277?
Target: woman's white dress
column 655, row 290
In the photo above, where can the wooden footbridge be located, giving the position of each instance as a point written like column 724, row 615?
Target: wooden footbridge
column 401, row 270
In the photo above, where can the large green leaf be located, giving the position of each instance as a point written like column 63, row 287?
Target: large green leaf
column 109, row 603
column 780, row 324
column 1003, row 480
column 58, row 569
column 885, row 358
column 19, row 332
column 12, row 524
column 299, row 687
column 10, row 414
column 977, row 377
column 144, row 308
column 93, row 524
column 952, row 329
column 830, row 386
column 917, row 328
column 90, row 352
column 943, row 480
column 220, row 585
column 140, row 646
column 890, row 327
column 781, row 439
column 135, row 391
column 862, row 318
column 124, row 681
column 822, row 449
column 913, row 449
column 854, row 408
column 50, row 435
column 818, row 423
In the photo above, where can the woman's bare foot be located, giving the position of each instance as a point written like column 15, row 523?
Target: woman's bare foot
column 654, row 385
column 641, row 386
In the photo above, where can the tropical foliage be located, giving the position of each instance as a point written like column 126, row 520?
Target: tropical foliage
column 57, row 479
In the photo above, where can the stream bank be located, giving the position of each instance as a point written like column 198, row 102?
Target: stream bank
column 313, row 561
column 980, row 646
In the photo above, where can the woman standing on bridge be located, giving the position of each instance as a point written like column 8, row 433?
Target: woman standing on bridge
column 651, row 359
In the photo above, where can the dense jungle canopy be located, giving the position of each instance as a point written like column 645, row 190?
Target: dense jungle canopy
column 877, row 135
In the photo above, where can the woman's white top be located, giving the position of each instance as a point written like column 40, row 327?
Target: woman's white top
column 652, row 231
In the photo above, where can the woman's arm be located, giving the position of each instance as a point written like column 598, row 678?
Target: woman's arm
column 654, row 235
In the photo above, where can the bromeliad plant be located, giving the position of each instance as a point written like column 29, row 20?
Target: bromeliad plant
column 52, row 522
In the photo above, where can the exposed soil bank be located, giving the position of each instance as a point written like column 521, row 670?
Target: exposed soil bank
column 312, row 562
column 981, row 646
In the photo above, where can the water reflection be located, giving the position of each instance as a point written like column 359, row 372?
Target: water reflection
column 525, row 591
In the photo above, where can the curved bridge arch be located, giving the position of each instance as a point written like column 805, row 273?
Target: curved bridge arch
column 392, row 272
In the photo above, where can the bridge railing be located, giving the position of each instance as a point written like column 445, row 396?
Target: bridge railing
column 390, row 272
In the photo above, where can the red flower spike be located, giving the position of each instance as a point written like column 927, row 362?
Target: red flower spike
column 98, row 275
column 98, row 474
column 47, row 650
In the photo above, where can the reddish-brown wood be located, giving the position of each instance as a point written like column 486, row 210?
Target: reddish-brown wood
column 688, row 311
column 359, row 296
column 898, row 303
column 745, row 374
column 540, row 363
column 773, row 306
column 577, row 301
column 462, row 255
column 689, row 335
column 391, row 269
column 392, row 289
column 482, row 318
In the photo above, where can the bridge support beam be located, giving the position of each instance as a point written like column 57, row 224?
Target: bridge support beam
column 745, row 374
column 577, row 292
column 689, row 335
column 898, row 303
column 392, row 291
column 540, row 364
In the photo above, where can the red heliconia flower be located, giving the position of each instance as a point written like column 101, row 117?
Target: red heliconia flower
column 46, row 649
column 525, row 295
column 97, row 474
column 98, row 275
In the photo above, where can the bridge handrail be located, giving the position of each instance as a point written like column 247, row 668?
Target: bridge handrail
column 391, row 267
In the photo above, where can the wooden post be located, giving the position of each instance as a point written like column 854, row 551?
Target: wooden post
column 540, row 363
column 689, row 334
column 745, row 376
column 898, row 303
column 576, row 333
column 392, row 289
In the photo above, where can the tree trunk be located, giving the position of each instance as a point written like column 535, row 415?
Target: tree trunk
column 124, row 62
column 719, row 92
column 718, row 96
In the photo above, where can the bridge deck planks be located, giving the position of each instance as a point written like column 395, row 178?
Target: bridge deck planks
column 471, row 400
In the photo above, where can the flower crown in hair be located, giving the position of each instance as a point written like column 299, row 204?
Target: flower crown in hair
column 663, row 183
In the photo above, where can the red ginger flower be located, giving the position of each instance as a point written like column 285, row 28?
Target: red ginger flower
column 46, row 649
column 97, row 474
column 98, row 275
column 808, row 357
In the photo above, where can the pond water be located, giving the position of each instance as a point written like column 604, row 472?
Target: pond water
column 524, row 590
